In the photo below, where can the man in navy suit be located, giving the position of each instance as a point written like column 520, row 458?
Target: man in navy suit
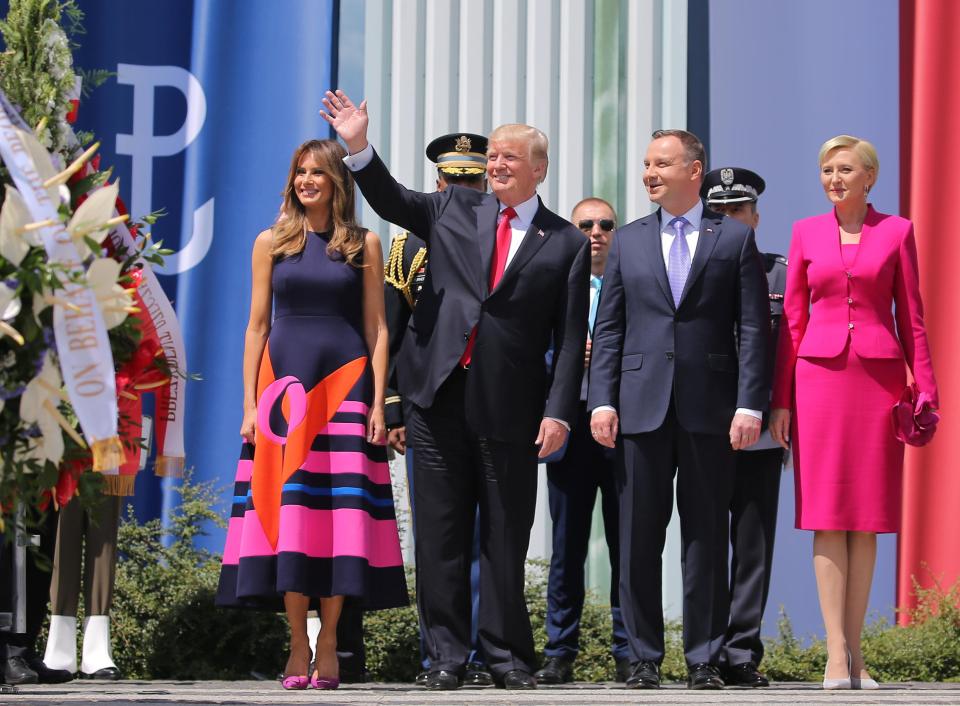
column 507, row 278
column 677, row 384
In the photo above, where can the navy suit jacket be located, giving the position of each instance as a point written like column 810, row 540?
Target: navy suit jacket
column 646, row 350
column 542, row 297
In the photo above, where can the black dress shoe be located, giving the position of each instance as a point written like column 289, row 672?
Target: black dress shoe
column 518, row 679
column 704, row 676
column 47, row 675
column 623, row 670
column 442, row 680
column 421, row 677
column 644, row 675
column 745, row 674
column 557, row 670
column 105, row 674
column 477, row 674
column 16, row 671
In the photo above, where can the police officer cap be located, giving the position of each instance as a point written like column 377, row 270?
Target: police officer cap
column 459, row 153
column 731, row 185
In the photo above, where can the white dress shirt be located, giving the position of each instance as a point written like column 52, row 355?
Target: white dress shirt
column 692, row 233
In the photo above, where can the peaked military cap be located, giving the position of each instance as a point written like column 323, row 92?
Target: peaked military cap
column 459, row 153
column 731, row 185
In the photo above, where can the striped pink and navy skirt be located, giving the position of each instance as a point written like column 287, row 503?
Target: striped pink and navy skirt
column 335, row 528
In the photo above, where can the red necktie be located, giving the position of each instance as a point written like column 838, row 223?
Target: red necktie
column 500, row 251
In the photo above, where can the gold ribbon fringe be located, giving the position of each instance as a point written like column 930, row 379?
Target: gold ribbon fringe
column 169, row 466
column 118, row 485
column 107, row 453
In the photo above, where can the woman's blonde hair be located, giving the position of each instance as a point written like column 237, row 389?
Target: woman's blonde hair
column 290, row 228
column 863, row 149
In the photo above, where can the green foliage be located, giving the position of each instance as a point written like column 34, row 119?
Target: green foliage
column 164, row 623
column 928, row 649
column 392, row 640
column 36, row 70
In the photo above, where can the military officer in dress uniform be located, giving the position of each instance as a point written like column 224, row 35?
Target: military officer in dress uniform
column 461, row 160
column 733, row 191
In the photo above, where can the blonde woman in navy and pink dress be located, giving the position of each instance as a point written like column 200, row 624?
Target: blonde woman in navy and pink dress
column 841, row 367
column 313, row 517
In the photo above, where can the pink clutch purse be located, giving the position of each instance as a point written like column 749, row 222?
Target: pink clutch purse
column 914, row 419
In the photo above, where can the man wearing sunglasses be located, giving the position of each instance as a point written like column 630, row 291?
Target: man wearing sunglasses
column 572, row 485
column 733, row 191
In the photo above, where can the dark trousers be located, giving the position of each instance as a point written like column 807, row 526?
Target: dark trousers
column 88, row 534
column 350, row 650
column 39, row 561
column 475, row 654
column 572, row 485
column 455, row 472
column 704, row 468
column 753, row 524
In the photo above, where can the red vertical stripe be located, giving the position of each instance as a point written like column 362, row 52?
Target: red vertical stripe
column 930, row 74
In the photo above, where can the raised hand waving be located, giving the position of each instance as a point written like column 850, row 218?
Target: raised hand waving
column 349, row 120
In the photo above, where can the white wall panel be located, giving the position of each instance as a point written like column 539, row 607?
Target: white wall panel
column 441, row 81
column 509, row 70
column 541, row 97
column 476, row 66
column 574, row 137
column 408, row 89
column 643, row 99
column 378, row 23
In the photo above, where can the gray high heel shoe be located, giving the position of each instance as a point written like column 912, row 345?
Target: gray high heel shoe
column 846, row 683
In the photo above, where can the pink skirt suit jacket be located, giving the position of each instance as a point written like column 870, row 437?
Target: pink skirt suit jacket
column 840, row 368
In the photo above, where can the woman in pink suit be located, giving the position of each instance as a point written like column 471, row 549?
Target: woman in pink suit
column 840, row 368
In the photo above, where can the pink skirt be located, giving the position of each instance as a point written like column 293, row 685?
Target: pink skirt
column 848, row 465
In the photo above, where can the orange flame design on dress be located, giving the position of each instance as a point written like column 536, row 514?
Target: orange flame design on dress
column 274, row 463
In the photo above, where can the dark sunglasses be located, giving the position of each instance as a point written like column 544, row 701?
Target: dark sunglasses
column 604, row 223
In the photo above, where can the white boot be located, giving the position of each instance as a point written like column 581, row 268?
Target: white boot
column 61, row 652
column 313, row 629
column 96, row 645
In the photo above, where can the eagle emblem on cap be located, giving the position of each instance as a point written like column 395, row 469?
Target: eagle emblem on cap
column 463, row 144
column 726, row 176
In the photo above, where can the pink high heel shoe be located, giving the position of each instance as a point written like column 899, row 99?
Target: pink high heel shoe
column 295, row 683
column 318, row 682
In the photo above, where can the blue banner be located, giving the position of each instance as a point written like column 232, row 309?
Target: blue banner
column 208, row 101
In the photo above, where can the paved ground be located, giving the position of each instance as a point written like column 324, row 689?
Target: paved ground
column 252, row 692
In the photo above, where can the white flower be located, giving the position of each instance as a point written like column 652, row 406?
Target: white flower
column 9, row 308
column 90, row 218
column 42, row 161
column 38, row 405
column 14, row 241
column 114, row 300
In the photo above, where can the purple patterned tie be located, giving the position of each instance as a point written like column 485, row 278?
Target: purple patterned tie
column 678, row 266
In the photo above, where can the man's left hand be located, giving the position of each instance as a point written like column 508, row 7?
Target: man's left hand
column 551, row 437
column 744, row 431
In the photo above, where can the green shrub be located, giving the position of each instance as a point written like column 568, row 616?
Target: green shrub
column 165, row 625
column 927, row 650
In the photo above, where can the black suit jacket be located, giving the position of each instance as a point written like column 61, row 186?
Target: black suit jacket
column 645, row 349
column 542, row 296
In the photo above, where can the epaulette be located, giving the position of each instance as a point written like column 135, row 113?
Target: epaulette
column 776, row 258
column 393, row 273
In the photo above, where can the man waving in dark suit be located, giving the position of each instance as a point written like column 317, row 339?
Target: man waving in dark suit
column 506, row 277
column 678, row 367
